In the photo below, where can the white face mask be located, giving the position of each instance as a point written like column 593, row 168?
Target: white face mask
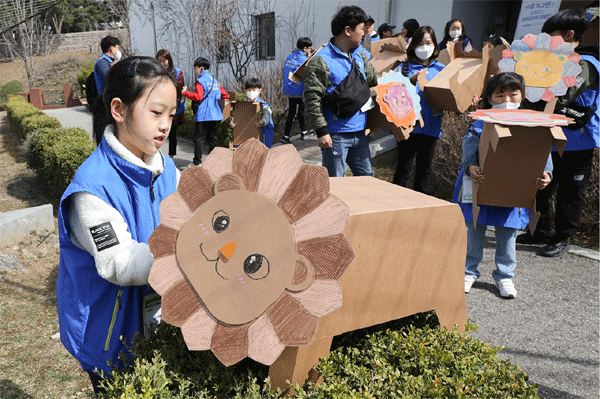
column 507, row 105
column 118, row 55
column 455, row 34
column 252, row 94
column 424, row 51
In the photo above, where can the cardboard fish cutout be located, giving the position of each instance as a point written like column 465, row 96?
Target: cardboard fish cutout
column 249, row 252
column 548, row 64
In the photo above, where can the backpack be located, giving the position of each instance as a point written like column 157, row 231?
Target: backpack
column 91, row 91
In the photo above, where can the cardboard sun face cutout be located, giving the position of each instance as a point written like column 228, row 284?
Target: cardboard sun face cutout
column 549, row 65
column 249, row 252
column 521, row 117
column 398, row 99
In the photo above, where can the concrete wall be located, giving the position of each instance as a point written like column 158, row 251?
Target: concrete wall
column 84, row 41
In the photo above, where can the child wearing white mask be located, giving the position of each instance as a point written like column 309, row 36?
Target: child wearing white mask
column 503, row 91
column 253, row 89
column 420, row 146
column 455, row 32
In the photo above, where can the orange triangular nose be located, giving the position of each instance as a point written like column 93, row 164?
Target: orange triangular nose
column 228, row 249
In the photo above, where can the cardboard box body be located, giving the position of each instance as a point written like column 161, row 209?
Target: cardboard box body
column 245, row 115
column 512, row 158
column 410, row 253
column 454, row 87
column 387, row 60
column 394, row 41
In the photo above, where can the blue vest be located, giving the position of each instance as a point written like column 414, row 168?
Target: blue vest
column 100, row 79
column 93, row 312
column 587, row 137
column 267, row 131
column 432, row 123
column 292, row 62
column 339, row 67
column 209, row 109
column 181, row 106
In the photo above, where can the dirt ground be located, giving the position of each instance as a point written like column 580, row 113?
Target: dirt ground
column 33, row 364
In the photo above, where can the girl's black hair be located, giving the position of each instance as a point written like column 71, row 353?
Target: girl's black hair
column 416, row 42
column 504, row 81
column 411, row 25
column 447, row 37
column 127, row 80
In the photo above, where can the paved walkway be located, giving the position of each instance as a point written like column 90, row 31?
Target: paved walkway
column 551, row 330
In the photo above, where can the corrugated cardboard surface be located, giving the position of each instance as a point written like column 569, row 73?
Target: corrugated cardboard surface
column 454, row 87
column 512, row 158
column 298, row 74
column 245, row 115
column 410, row 251
column 398, row 41
column 387, row 60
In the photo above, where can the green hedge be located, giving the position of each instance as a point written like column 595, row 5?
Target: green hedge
column 35, row 122
column 12, row 87
column 83, row 74
column 17, row 110
column 402, row 359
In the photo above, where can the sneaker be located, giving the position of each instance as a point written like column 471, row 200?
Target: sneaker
column 557, row 249
column 469, row 280
column 302, row 135
column 285, row 140
column 507, row 288
column 528, row 239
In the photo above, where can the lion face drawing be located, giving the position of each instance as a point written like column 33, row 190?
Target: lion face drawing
column 249, row 252
column 399, row 100
column 540, row 68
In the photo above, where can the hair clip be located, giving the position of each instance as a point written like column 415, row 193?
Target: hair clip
column 133, row 67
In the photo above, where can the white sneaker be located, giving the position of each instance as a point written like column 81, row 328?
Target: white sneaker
column 469, row 280
column 507, row 288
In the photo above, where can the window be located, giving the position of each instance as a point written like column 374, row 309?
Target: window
column 223, row 49
column 264, row 26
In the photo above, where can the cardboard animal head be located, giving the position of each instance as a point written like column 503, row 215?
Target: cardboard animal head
column 249, row 252
column 548, row 64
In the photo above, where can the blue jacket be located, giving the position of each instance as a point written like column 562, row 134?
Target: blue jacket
column 101, row 68
column 209, row 109
column 516, row 218
column 432, row 123
column 181, row 106
column 292, row 62
column 339, row 66
column 93, row 312
column 267, row 131
column 588, row 136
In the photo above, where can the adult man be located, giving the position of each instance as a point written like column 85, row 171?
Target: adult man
column 571, row 171
column 338, row 115
column 111, row 53
column 294, row 91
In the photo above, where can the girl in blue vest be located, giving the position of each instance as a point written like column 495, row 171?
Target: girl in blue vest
column 503, row 91
column 107, row 214
column 455, row 32
column 164, row 57
column 420, row 145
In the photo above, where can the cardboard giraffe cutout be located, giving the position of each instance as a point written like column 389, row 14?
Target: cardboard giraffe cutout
column 249, row 252
column 548, row 64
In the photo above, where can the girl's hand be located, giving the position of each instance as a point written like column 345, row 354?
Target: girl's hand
column 184, row 88
column 414, row 77
column 233, row 124
column 475, row 101
column 475, row 172
column 542, row 182
column 260, row 123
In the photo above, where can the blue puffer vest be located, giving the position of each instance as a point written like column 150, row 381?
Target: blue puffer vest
column 293, row 61
column 209, row 109
column 93, row 312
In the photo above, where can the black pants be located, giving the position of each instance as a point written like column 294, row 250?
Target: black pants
column 178, row 120
column 421, row 147
column 296, row 108
column 570, row 178
column 204, row 131
column 96, row 379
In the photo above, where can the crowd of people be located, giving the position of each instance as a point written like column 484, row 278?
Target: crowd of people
column 105, row 219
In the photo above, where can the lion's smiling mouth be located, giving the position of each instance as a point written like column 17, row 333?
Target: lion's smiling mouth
column 220, row 257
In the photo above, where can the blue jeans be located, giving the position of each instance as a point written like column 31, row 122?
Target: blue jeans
column 505, row 258
column 351, row 148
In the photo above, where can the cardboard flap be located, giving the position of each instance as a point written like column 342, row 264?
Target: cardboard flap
column 475, row 206
column 534, row 217
column 387, row 61
column 392, row 43
column 550, row 105
column 500, row 131
column 559, row 139
column 422, row 78
column 298, row 74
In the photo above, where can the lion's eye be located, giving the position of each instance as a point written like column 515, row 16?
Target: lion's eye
column 256, row 266
column 220, row 221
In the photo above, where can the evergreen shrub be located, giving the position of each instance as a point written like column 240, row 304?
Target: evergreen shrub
column 34, row 122
column 12, row 87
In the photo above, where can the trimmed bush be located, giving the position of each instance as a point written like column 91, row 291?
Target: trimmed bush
column 17, row 110
column 38, row 142
column 38, row 121
column 82, row 76
column 61, row 158
column 395, row 360
column 12, row 87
